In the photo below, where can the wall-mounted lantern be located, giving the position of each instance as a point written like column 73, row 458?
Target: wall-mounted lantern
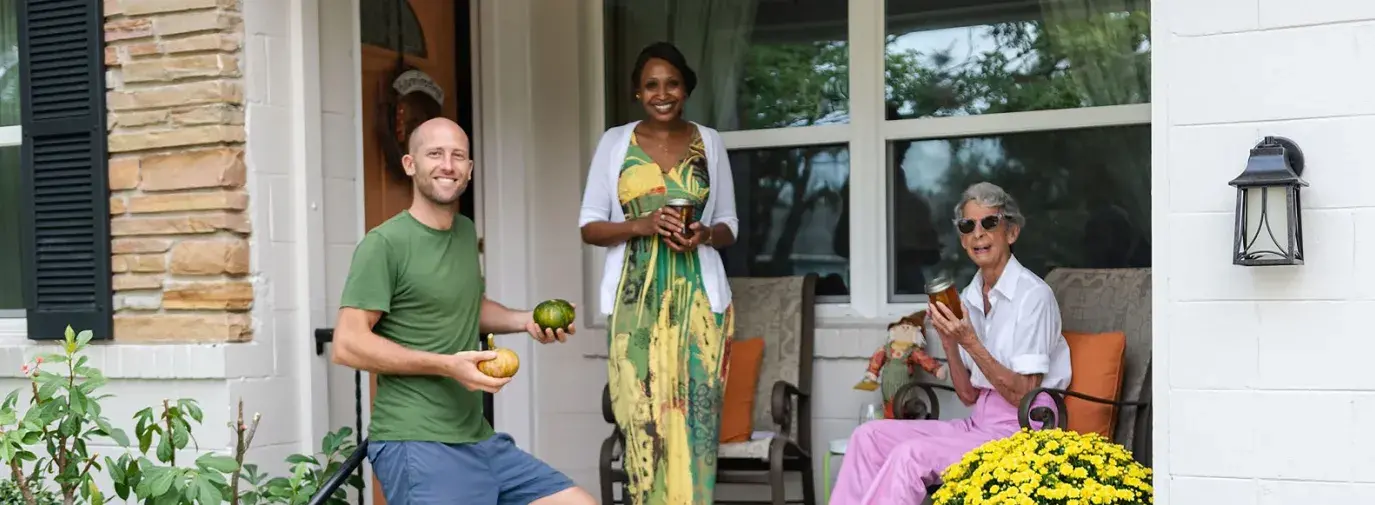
column 1269, row 220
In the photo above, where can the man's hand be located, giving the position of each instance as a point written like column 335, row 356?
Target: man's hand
column 462, row 367
column 544, row 336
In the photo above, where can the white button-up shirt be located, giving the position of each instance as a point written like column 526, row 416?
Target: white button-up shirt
column 1022, row 328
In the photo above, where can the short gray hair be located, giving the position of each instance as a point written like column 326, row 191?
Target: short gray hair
column 990, row 195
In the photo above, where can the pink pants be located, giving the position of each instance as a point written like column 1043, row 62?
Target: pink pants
column 892, row 461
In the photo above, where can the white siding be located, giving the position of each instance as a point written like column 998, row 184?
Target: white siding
column 1260, row 395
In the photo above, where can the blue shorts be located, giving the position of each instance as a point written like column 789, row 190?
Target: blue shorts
column 490, row 472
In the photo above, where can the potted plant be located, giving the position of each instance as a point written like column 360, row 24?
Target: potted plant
column 1047, row 467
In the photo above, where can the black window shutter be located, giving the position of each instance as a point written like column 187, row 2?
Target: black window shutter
column 66, row 212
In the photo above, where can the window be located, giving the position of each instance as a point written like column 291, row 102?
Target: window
column 11, row 137
column 1082, row 182
column 854, row 126
column 385, row 23
column 776, row 86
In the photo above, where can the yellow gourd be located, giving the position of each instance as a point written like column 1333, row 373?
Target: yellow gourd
column 506, row 364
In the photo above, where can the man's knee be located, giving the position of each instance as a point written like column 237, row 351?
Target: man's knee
column 570, row 496
column 526, row 479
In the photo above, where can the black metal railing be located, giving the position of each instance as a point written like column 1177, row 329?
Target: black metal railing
column 354, row 463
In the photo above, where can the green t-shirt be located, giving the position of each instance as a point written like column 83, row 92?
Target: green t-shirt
column 429, row 287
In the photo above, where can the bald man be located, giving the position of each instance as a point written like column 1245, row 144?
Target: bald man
column 411, row 314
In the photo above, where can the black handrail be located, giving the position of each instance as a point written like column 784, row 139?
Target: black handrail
column 355, row 461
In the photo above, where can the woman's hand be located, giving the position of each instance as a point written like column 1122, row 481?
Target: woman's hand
column 658, row 222
column 952, row 330
column 683, row 243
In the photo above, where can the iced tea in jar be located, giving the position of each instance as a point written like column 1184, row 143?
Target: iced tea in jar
column 684, row 210
column 942, row 289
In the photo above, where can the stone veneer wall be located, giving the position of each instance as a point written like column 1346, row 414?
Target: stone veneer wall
column 178, row 203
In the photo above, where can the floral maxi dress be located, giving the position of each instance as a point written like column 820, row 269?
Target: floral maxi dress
column 668, row 350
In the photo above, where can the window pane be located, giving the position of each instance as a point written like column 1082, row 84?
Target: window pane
column 793, row 205
column 10, row 264
column 963, row 57
column 1086, row 195
column 9, row 63
column 392, row 24
column 759, row 63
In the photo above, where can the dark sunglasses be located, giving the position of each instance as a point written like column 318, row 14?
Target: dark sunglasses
column 966, row 225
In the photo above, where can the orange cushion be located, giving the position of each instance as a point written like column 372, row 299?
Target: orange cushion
column 1096, row 370
column 742, row 381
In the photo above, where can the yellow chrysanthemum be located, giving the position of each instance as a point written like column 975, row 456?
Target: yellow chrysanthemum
column 1044, row 468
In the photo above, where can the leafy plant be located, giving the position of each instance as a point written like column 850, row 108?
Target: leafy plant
column 11, row 495
column 308, row 475
column 49, row 442
column 64, row 415
column 203, row 483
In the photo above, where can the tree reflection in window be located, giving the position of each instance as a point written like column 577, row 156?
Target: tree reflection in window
column 380, row 27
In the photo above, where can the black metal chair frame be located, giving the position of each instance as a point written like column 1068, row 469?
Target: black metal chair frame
column 1026, row 413
column 906, row 405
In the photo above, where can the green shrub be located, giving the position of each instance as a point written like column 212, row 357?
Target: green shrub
column 48, row 441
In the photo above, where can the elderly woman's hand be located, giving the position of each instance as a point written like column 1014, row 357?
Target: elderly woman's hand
column 952, row 330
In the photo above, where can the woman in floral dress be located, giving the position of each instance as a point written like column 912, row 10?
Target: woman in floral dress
column 664, row 287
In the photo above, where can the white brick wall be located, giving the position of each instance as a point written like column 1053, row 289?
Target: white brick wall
column 273, row 188
column 1261, row 397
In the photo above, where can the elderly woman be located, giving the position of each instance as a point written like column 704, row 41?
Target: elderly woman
column 664, row 286
column 1009, row 343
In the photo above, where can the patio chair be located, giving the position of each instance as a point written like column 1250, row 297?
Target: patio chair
column 1094, row 301
column 781, row 311
column 1091, row 301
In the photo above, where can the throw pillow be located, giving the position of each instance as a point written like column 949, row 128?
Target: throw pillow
column 1096, row 364
column 742, row 381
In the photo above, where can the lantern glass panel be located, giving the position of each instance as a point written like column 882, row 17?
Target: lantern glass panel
column 1267, row 223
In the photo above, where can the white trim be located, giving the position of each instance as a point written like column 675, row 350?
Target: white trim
column 593, row 77
column 786, row 137
column 14, row 331
column 1015, row 122
column 360, row 207
column 203, row 361
column 1162, row 247
column 12, row 328
column 308, row 188
column 867, row 173
column 359, row 187
column 475, row 78
column 504, row 63
column 11, row 135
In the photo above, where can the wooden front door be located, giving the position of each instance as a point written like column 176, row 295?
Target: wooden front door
column 433, row 78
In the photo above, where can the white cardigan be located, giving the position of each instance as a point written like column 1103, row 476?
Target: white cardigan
column 601, row 203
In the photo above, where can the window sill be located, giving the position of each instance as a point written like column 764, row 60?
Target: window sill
column 13, row 329
column 197, row 361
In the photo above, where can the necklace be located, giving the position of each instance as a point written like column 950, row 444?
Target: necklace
column 663, row 143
